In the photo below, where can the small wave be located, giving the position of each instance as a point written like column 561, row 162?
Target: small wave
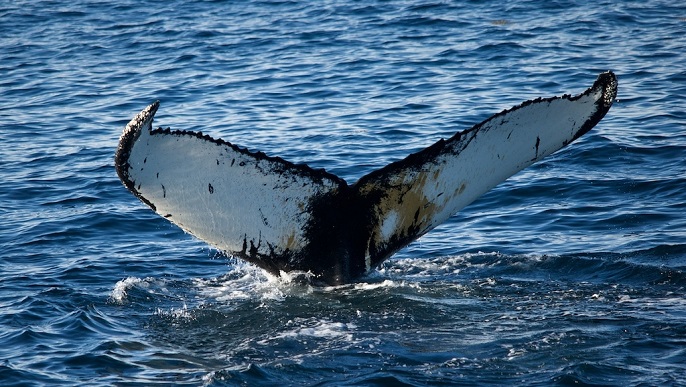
column 124, row 290
column 119, row 293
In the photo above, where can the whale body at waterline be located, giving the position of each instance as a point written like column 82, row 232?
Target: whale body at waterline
column 286, row 217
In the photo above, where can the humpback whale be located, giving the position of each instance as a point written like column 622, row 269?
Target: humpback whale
column 286, row 217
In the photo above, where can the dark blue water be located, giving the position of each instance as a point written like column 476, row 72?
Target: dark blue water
column 572, row 272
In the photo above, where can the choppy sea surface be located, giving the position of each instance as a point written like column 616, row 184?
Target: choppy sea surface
column 572, row 272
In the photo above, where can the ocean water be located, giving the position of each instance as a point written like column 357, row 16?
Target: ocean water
column 573, row 272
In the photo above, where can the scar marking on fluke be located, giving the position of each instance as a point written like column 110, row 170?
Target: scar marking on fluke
column 282, row 216
column 264, row 218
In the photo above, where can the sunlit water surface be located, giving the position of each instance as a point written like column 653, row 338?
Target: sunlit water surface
column 571, row 272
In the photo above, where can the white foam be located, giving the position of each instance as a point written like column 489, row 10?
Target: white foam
column 378, row 285
column 308, row 328
column 120, row 291
column 176, row 313
column 247, row 282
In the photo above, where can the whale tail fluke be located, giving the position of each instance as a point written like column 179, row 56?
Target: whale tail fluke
column 410, row 197
column 287, row 217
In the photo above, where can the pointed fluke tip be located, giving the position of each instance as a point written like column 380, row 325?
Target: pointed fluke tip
column 144, row 117
column 608, row 81
column 130, row 134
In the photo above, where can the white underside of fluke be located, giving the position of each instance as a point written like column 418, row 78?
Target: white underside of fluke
column 427, row 194
column 223, row 195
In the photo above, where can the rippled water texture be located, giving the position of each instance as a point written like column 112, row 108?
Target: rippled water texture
column 571, row 272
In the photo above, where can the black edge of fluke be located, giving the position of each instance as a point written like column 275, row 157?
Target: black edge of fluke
column 606, row 81
column 142, row 121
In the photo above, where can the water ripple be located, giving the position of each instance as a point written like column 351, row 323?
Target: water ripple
column 573, row 271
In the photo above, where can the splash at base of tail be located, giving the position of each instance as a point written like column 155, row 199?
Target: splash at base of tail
column 287, row 217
